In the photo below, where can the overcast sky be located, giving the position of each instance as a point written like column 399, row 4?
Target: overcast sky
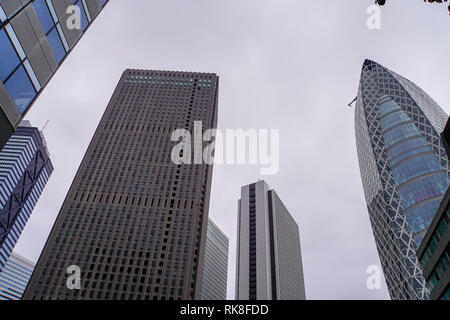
column 291, row 65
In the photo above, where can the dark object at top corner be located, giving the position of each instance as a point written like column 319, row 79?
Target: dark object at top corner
column 380, row 2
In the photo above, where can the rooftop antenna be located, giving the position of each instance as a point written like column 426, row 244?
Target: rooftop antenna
column 350, row 104
column 45, row 125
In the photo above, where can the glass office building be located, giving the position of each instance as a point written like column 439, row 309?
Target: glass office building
column 25, row 168
column 269, row 258
column 434, row 252
column 404, row 170
column 215, row 266
column 35, row 38
column 14, row 277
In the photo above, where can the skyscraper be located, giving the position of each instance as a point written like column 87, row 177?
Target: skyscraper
column 134, row 221
column 35, row 38
column 404, row 170
column 215, row 269
column 269, row 260
column 25, row 168
column 14, row 277
column 434, row 251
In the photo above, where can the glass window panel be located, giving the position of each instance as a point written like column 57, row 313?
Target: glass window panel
column 56, row 44
column 21, row 89
column 393, row 119
column 8, row 57
column 44, row 15
column 407, row 154
column 423, row 189
column 416, row 167
column 387, row 107
column 420, row 217
column 405, row 146
column 399, row 133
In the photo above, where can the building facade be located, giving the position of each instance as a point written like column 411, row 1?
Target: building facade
column 404, row 170
column 14, row 277
column 434, row 252
column 269, row 260
column 133, row 220
column 215, row 269
column 34, row 41
column 25, row 168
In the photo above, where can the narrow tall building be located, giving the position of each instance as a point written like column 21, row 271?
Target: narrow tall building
column 269, row 260
column 25, row 168
column 134, row 221
column 215, row 269
column 35, row 38
column 404, row 170
column 14, row 277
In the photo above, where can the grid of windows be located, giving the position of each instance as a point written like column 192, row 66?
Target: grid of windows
column 404, row 169
column 14, row 277
column 215, row 270
column 133, row 221
column 25, row 168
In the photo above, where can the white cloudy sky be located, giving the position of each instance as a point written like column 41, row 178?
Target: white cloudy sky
column 292, row 65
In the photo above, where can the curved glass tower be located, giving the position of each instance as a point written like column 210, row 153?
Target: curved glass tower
column 404, row 170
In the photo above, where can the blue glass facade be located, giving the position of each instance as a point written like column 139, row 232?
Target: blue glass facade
column 418, row 174
column 34, row 41
column 14, row 277
column 25, row 168
column 404, row 168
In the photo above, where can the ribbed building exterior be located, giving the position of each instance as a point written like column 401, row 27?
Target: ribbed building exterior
column 404, row 170
column 269, row 259
column 215, row 268
column 25, row 168
column 35, row 38
column 14, row 277
column 135, row 221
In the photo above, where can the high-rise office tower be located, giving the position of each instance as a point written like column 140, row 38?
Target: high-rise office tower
column 434, row 251
column 269, row 259
column 215, row 268
column 35, row 38
column 25, row 168
column 404, row 170
column 14, row 277
column 133, row 221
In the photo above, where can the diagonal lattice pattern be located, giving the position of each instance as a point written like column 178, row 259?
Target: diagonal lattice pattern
column 404, row 169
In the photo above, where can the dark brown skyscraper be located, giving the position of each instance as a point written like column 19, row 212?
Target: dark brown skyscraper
column 133, row 221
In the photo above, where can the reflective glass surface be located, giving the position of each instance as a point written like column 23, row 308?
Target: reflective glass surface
column 56, row 44
column 423, row 189
column 44, row 15
column 21, row 89
column 406, row 146
column 399, row 133
column 419, row 217
column 8, row 57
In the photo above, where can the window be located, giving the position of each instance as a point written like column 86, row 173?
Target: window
column 56, row 44
column 8, row 59
column 44, row 15
column 21, row 90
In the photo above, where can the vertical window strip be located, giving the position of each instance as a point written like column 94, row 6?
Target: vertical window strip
column 52, row 11
column 88, row 15
column 15, row 42
column 32, row 75
column 63, row 37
